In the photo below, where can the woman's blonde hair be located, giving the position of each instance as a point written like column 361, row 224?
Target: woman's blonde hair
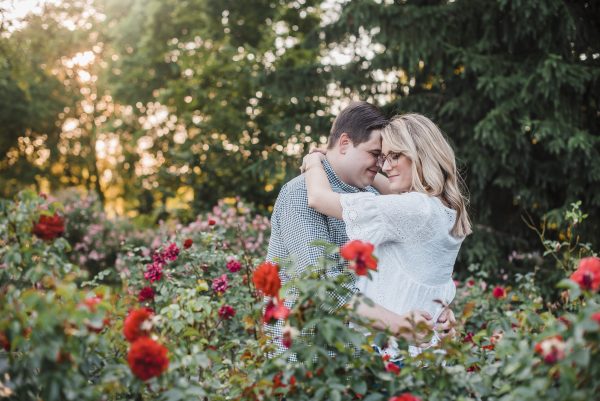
column 434, row 169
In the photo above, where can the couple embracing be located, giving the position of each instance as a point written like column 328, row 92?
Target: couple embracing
column 415, row 215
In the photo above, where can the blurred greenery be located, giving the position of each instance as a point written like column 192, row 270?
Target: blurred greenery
column 168, row 105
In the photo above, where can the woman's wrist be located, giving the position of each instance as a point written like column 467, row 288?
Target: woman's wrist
column 312, row 163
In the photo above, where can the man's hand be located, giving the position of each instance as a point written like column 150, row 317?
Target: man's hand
column 445, row 323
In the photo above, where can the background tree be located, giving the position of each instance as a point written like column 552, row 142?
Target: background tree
column 167, row 106
column 514, row 84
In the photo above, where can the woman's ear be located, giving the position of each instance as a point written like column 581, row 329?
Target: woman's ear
column 344, row 143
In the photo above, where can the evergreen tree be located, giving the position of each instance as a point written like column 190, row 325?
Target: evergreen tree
column 514, row 84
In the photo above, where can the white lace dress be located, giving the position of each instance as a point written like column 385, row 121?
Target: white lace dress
column 415, row 250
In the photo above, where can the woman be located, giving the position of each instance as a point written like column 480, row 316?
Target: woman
column 417, row 224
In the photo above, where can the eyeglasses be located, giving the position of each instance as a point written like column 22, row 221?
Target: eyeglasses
column 392, row 158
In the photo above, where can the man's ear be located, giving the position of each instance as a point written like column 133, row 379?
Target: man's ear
column 344, row 143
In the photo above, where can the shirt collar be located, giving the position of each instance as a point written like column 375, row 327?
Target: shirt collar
column 335, row 181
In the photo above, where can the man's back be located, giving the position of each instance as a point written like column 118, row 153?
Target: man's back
column 294, row 226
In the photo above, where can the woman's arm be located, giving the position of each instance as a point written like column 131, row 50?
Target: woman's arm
column 320, row 195
column 382, row 184
column 411, row 326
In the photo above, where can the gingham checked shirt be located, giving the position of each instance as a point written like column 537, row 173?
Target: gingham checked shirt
column 294, row 226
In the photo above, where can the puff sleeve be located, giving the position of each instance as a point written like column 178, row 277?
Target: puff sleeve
column 388, row 218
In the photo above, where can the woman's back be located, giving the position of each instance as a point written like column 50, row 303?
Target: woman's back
column 416, row 251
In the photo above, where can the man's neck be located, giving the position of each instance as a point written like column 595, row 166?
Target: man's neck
column 338, row 170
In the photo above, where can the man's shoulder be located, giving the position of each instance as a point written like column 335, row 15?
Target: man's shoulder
column 296, row 184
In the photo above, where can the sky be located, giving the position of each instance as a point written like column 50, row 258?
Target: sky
column 17, row 9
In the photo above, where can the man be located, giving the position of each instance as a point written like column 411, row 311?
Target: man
column 351, row 165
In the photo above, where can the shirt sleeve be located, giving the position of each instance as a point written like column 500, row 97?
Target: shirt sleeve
column 300, row 225
column 387, row 218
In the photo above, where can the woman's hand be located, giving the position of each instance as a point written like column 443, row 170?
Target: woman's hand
column 312, row 159
column 445, row 323
column 417, row 328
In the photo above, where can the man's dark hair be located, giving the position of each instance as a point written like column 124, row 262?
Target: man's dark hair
column 357, row 120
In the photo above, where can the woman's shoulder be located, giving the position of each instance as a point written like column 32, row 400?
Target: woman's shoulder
column 413, row 199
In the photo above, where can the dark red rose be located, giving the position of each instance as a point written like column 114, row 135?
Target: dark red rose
column 49, row 227
column 233, row 265
column 405, row 397
column 499, row 292
column 146, row 294
column 187, row 244
column 286, row 339
column 4, row 342
column 226, row 312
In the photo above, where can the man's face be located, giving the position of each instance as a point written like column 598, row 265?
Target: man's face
column 360, row 162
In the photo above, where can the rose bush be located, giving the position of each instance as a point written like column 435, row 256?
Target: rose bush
column 185, row 319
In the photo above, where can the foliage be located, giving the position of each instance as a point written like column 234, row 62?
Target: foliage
column 515, row 86
column 69, row 331
column 221, row 98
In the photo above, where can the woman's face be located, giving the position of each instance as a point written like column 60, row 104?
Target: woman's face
column 398, row 169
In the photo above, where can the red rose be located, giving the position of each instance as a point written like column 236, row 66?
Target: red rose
column 4, row 342
column 233, row 265
column 226, row 312
column 405, row 397
column 473, row 368
column 266, row 279
column 220, row 284
column 171, row 253
column 596, row 317
column 286, row 339
column 63, row 356
column 146, row 294
column 132, row 327
column 187, row 244
column 211, row 222
column 552, row 349
column 499, row 292
column 587, row 274
column 49, row 227
column 147, row 358
column 154, row 272
column 277, row 380
column 360, row 256
column 91, row 304
column 564, row 320
column 470, row 283
column 275, row 311
column 392, row 368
